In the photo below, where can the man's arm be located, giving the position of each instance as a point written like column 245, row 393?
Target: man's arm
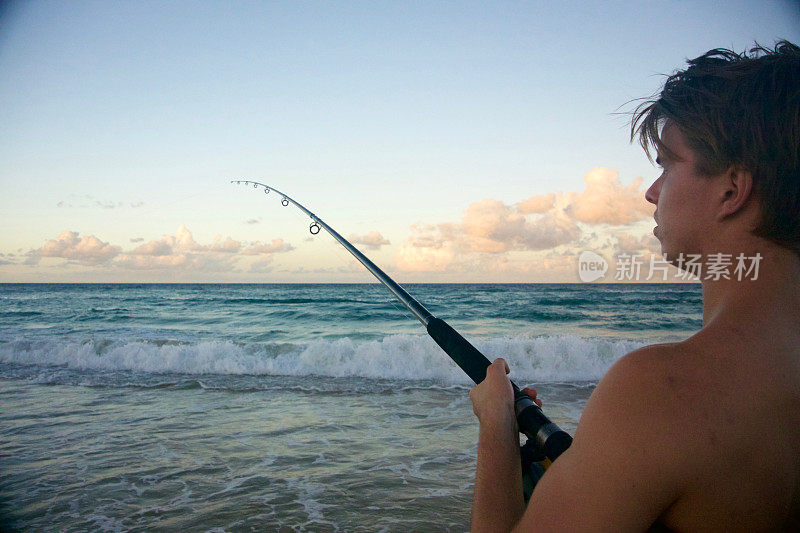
column 626, row 465
column 498, row 503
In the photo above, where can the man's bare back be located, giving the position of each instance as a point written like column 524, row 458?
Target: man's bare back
column 736, row 391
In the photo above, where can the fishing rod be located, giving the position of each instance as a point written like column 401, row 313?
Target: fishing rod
column 545, row 438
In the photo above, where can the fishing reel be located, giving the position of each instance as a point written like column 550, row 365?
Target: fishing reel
column 534, row 465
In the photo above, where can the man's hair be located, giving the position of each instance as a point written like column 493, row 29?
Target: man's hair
column 742, row 111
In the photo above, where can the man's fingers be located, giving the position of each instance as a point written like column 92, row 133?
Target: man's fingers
column 532, row 394
column 497, row 364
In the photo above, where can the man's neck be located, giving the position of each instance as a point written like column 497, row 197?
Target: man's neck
column 775, row 291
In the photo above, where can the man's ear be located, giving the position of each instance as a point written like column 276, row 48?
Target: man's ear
column 737, row 188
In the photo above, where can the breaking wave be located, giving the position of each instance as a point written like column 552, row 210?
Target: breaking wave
column 562, row 358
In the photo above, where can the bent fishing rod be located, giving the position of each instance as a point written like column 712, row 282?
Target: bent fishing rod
column 545, row 437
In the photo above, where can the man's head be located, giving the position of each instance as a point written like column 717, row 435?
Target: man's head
column 738, row 111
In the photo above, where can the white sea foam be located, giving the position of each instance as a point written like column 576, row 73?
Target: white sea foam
column 543, row 359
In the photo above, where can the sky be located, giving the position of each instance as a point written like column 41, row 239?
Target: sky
column 450, row 141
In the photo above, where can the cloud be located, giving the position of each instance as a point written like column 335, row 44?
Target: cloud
column 181, row 250
column 630, row 244
column 108, row 205
column 539, row 223
column 183, row 241
column 226, row 245
column 178, row 252
column 180, row 242
column 606, row 200
column 353, row 266
column 182, row 261
column 415, row 258
column 491, row 226
column 428, row 235
column 537, row 204
column 153, row 248
column 87, row 250
column 252, row 221
column 87, row 200
column 372, row 240
column 262, row 267
column 275, row 247
column 487, row 227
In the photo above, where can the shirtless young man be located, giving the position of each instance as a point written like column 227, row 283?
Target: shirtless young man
column 704, row 434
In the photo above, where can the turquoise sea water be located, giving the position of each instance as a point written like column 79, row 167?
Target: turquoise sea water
column 282, row 407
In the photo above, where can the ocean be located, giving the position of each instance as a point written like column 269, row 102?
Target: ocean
column 258, row 407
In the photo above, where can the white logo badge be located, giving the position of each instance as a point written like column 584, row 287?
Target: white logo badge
column 591, row 266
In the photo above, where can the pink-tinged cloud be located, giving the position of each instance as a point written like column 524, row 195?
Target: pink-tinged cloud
column 544, row 222
column 427, row 236
column 275, row 247
column 537, row 204
column 225, row 246
column 487, row 227
column 182, row 241
column 180, row 251
column 372, row 240
column 491, row 226
column 87, row 250
column 630, row 244
column 606, row 201
column 153, row 248
column 179, row 261
column 414, row 258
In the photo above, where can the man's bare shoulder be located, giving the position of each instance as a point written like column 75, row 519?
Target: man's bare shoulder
column 623, row 466
column 726, row 438
column 640, row 391
column 651, row 403
column 636, row 407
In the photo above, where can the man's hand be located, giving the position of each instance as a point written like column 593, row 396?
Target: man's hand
column 494, row 395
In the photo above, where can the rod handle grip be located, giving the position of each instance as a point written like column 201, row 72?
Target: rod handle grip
column 465, row 355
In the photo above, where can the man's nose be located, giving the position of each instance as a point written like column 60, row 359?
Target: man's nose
column 652, row 193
